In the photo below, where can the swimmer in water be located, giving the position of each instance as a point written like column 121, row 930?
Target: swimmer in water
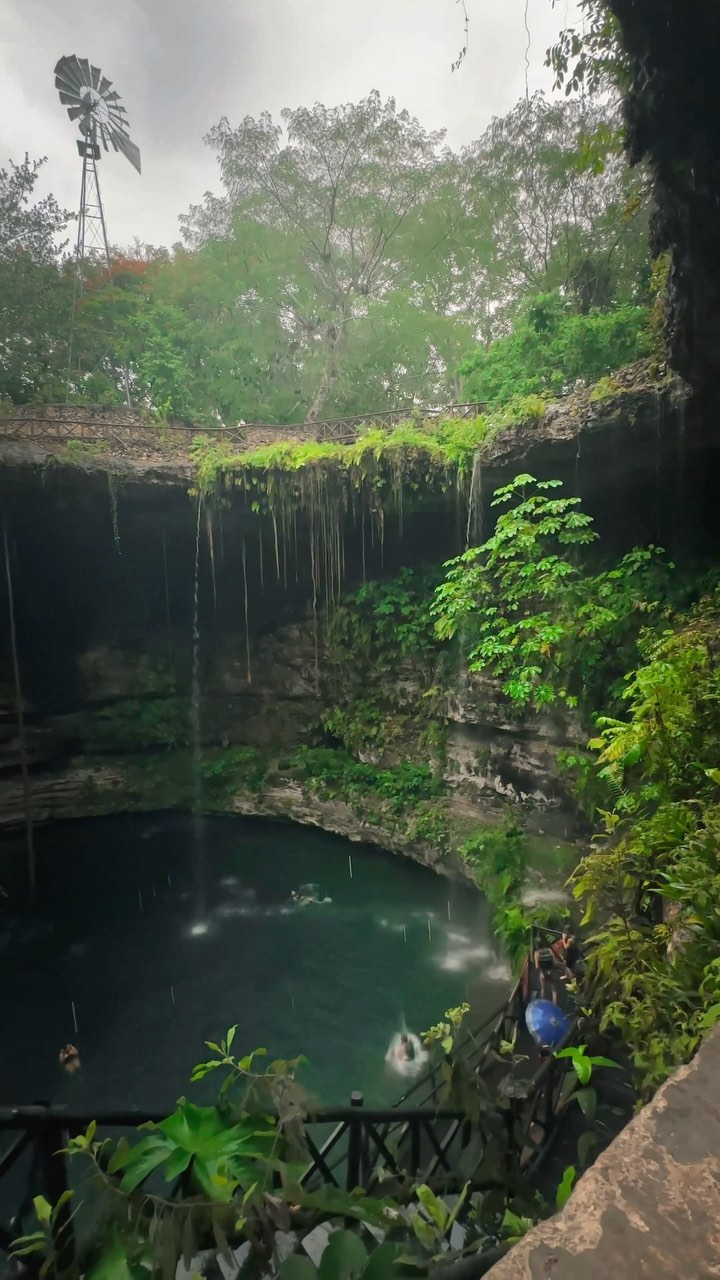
column 406, row 1055
column 69, row 1059
column 408, row 1048
column 306, row 901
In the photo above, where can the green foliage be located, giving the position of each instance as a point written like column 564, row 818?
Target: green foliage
column 551, row 347
column 35, row 293
column 415, row 455
column 220, row 1157
column 233, row 769
column 142, row 723
column 498, row 857
column 562, row 1195
column 445, row 1033
column 507, row 591
column 79, row 449
column 591, row 58
column 334, row 774
column 531, row 617
column 346, row 266
column 651, row 882
column 384, row 616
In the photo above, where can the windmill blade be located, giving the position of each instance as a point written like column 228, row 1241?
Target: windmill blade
column 122, row 143
column 85, row 71
column 96, row 74
column 68, row 75
column 104, row 85
column 69, row 99
column 74, row 112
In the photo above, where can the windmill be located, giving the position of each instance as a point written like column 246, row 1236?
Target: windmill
column 92, row 102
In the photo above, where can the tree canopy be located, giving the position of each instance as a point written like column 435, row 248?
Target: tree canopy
column 351, row 262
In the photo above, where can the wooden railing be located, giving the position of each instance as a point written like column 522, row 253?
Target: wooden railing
column 121, row 426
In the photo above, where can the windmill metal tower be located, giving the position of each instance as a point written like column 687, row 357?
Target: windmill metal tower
column 92, row 102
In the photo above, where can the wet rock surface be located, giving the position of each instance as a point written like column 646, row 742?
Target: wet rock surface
column 649, row 1208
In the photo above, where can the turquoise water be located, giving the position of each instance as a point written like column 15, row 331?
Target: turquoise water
column 115, row 928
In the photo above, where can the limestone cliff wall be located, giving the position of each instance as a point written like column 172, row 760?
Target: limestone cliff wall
column 87, row 760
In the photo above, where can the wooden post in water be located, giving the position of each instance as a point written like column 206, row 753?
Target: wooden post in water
column 355, row 1152
column 29, row 834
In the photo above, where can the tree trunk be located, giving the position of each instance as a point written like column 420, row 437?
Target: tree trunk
column 335, row 340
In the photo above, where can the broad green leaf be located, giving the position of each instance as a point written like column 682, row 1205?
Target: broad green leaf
column 587, row 1101
column 176, row 1163
column 43, row 1210
column 566, row 1185
column 435, row 1207
column 383, row 1262
column 297, row 1267
column 343, row 1258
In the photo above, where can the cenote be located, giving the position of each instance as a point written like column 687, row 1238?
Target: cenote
column 115, row 930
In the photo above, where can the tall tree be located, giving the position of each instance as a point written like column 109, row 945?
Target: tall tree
column 566, row 211
column 35, row 295
column 338, row 188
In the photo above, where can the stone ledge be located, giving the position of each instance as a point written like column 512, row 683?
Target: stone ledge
column 649, row 1209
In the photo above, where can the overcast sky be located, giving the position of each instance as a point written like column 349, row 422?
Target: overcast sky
column 182, row 64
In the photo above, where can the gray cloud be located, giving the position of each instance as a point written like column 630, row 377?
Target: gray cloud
column 182, row 64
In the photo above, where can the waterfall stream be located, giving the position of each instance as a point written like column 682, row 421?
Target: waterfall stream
column 198, row 819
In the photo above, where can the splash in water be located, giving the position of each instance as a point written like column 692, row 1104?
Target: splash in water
column 405, row 1055
column 199, row 929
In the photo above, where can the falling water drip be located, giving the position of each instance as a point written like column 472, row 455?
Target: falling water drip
column 313, row 573
column 198, row 827
column 429, row 929
column 277, row 545
column 74, row 1014
column 168, row 615
column 473, row 530
column 262, row 567
column 404, row 934
column 22, row 742
column 363, row 545
column 172, row 994
column 211, row 547
column 247, row 618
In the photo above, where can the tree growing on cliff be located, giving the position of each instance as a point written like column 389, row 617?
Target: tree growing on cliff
column 333, row 194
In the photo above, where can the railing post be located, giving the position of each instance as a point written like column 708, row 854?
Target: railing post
column 355, row 1145
column 51, row 1137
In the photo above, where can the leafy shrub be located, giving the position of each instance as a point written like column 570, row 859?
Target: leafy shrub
column 551, row 347
column 337, row 775
column 531, row 617
column 235, row 769
column 143, row 723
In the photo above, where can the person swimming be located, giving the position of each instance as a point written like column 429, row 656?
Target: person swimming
column 310, row 898
column 69, row 1059
column 406, row 1055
